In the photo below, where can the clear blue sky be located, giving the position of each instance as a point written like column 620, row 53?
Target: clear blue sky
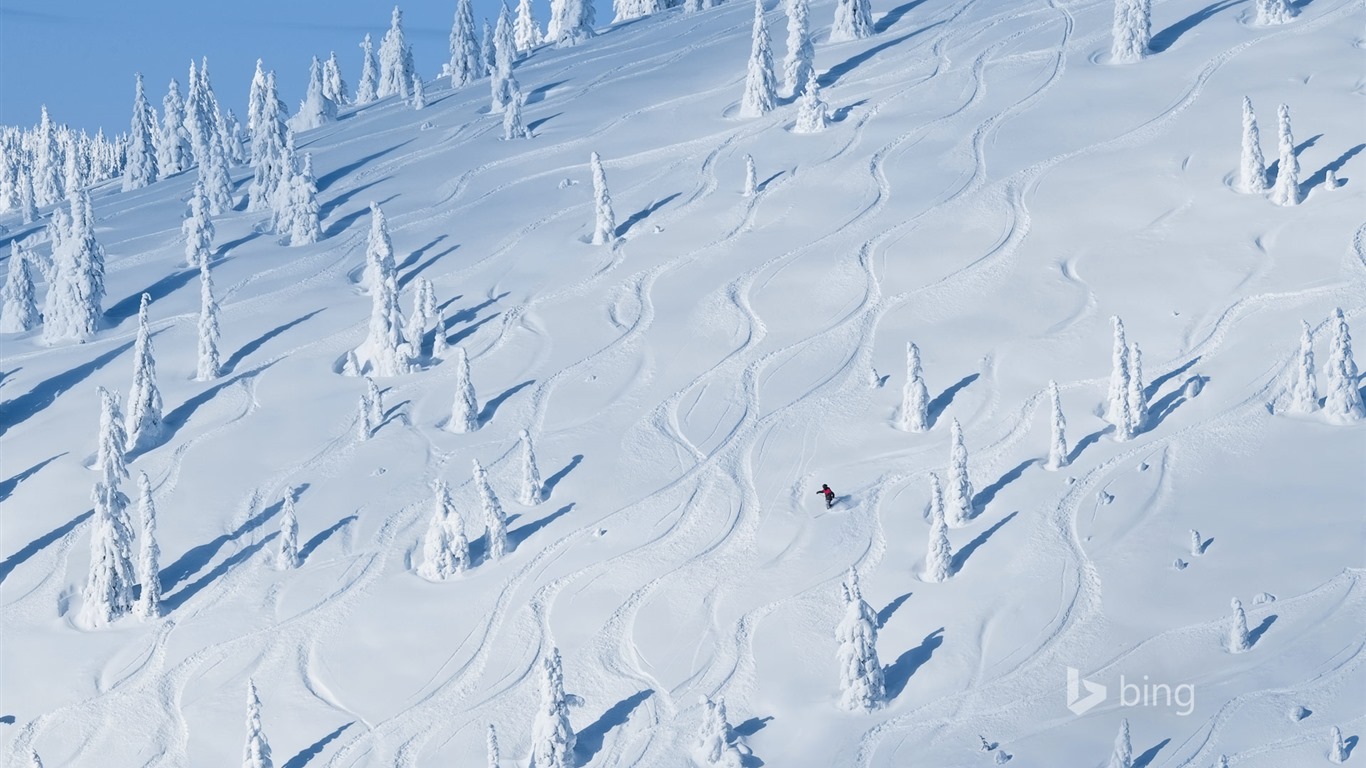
column 79, row 56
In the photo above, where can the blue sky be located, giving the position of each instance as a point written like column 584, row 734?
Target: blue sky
column 79, row 56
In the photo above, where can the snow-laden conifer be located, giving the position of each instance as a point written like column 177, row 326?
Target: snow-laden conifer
column 464, row 409
column 1117, row 401
column 1123, row 754
column 386, row 351
column 445, row 549
column 317, row 108
column 504, row 54
column 374, row 400
column 143, row 427
column 605, row 221
column 634, row 9
column 1137, row 398
column 28, row 204
column 256, row 99
column 18, row 304
column 798, row 67
column 301, row 210
column 465, row 66
column 237, row 143
column 108, row 592
column 74, row 297
column 1197, row 544
column 334, row 86
column 1342, row 399
column 47, row 162
column 365, row 422
column 751, row 178
column 575, row 22
column 1337, row 748
column 915, row 399
column 812, row 113
column 1271, row 12
column 861, row 681
column 379, row 249
column 369, row 75
column 207, row 369
column 256, row 753
column 213, row 177
column 532, row 491
column 419, row 95
column 958, row 504
column 853, row 21
column 486, row 54
column 140, row 167
column 268, row 151
column 1252, row 166
column 173, row 143
column 1132, row 31
column 288, row 556
column 1238, row 639
column 494, row 518
column 939, row 557
column 1057, row 445
column 395, row 64
column 439, row 343
column 761, row 89
column 716, row 744
column 491, row 739
column 1286, row 190
column 526, row 33
column 148, row 605
column 552, row 738
column 423, row 315
column 513, row 127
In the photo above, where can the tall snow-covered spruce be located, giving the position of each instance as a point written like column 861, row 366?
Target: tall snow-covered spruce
column 334, row 86
column 853, row 21
column 939, row 557
column 301, row 212
column 915, row 399
column 812, row 114
column 256, row 752
column 108, row 593
column 798, row 63
column 1252, row 166
column 751, row 178
column 464, row 408
column 207, row 369
column 491, row 742
column 369, row 73
column 74, row 299
column 267, row 149
column 1286, row 190
column 385, row 352
column 1238, row 639
column 18, row 305
column 317, row 108
column 717, row 745
column 1117, row 400
column 526, row 31
column 761, row 90
column 513, row 127
column 1132, row 31
column 861, row 680
column 141, row 153
column 531, row 492
column 1342, row 399
column 148, row 605
column 1122, row 756
column 445, row 549
column 572, row 22
column 198, row 228
column 552, row 737
column 1057, row 445
column 464, row 66
column 497, row 539
column 604, row 220
column 958, row 506
column 1136, row 396
column 144, row 398
column 395, row 60
column 288, row 556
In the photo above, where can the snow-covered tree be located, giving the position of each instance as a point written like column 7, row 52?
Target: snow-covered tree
column 635, row 9
column 1271, row 12
column 47, row 162
column 386, row 351
column 513, row 127
column 33, row 760
column 571, row 22
column 486, row 57
column 915, row 399
column 717, row 745
column 751, row 178
column 316, row 109
column 108, row 592
column 18, row 305
column 1137, row 398
column 256, row 753
column 853, row 21
column 148, row 605
column 395, row 64
column 334, row 87
column 605, row 221
column 464, row 408
column 861, row 680
column 350, row 364
column 1197, row 544
column 1337, row 748
column 208, row 326
column 1123, row 754
column 419, row 95
column 1342, row 399
column 374, row 401
column 369, row 75
column 798, row 67
column 268, row 150
column 939, row 557
column 493, row 515
column 1286, row 191
column 465, row 66
column 423, row 315
column 173, row 143
column 141, row 153
column 1252, row 166
column 492, row 740
column 504, row 54
column 288, row 556
column 74, row 297
column 958, row 507
column 144, row 398
column 445, row 550
column 525, row 31
column 1057, row 446
column 552, row 738
column 379, row 249
column 299, row 214
column 439, row 343
column 812, row 113
column 28, row 204
column 236, row 151
column 366, row 423
column 1238, row 639
column 532, row 491
column 213, row 177
column 1117, row 409
column 761, row 88
column 1132, row 30
column 256, row 99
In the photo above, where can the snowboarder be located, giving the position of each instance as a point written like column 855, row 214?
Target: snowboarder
column 828, row 494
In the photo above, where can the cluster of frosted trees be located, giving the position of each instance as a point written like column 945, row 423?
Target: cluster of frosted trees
column 853, row 21
column 1131, row 34
column 1341, row 403
column 1284, row 188
column 46, row 164
column 74, row 273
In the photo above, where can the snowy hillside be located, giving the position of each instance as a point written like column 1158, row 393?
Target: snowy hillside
column 992, row 186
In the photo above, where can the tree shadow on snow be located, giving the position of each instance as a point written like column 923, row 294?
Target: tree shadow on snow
column 128, row 306
column 899, row 672
column 196, row 558
column 893, row 16
column 342, row 223
column 315, row 542
column 7, row 486
column 832, row 75
column 1160, row 410
column 1151, row 390
column 1167, row 37
column 345, row 197
column 176, row 419
column 1349, row 745
column 988, row 494
column 1148, row 756
column 412, row 274
column 44, row 393
column 315, row 749
column 469, row 313
column 468, row 330
column 1257, row 632
column 554, row 480
column 941, row 403
column 332, row 177
column 1321, row 175
column 491, row 407
column 534, row 124
column 538, row 93
column 643, row 214
column 590, row 738
column 1087, row 442
column 259, row 341
column 516, row 537
column 7, row 720
column 751, row 726
column 34, row 547
column 190, row 590
column 841, row 113
column 227, row 247
column 884, row 615
column 1273, row 169
column 960, row 558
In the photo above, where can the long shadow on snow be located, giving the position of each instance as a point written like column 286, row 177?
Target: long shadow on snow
column 7, row 486
column 1160, row 410
column 988, row 494
column 899, row 672
column 328, row 179
column 751, row 726
column 520, row 535
column 833, row 74
column 468, row 331
column 642, row 214
column 1273, row 169
column 128, row 306
column 961, row 556
column 180, row 416
column 197, row 557
column 44, row 393
column 1167, row 37
column 1256, row 634
column 1087, row 442
column 345, row 197
column 591, row 737
column 226, row 248
column 415, row 255
column 942, row 402
column 33, row 547
column 316, row 541
column 491, row 407
column 190, row 590
column 340, row 225
column 538, row 93
column 839, row 114
column 259, row 341
column 554, row 480
column 415, row 271
column 1149, row 755
column 1321, row 175
column 1151, row 390
column 534, row 124
column 316, row 748
column 468, row 314
column 885, row 615
column 893, row 16
column 20, row 235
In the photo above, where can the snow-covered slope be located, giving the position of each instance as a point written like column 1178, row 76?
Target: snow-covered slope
column 992, row 189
